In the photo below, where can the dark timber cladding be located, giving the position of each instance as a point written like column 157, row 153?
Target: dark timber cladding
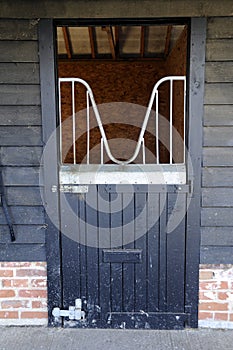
column 217, row 185
column 21, row 141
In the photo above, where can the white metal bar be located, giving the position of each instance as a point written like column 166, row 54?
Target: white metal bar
column 101, row 151
column 143, row 151
column 144, row 124
column 184, row 122
column 88, row 128
column 74, row 124
column 60, row 121
column 171, row 120
column 157, row 126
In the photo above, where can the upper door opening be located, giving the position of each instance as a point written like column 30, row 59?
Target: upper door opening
column 122, row 65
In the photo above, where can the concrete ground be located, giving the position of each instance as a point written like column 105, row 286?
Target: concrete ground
column 35, row 338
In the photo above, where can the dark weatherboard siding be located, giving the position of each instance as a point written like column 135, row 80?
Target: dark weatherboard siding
column 20, row 140
column 217, row 172
column 21, row 146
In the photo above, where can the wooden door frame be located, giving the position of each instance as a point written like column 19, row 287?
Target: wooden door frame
column 50, row 161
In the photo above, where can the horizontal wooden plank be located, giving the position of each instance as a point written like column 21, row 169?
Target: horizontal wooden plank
column 218, row 136
column 218, row 94
column 20, row 156
column 220, row 28
column 28, row 95
column 218, row 156
column 19, row 51
column 217, row 177
column 216, row 255
column 20, row 135
column 219, row 72
column 22, row 252
column 217, row 217
column 217, row 197
column 23, row 233
column 21, row 176
column 19, row 73
column 218, row 115
column 23, row 196
column 219, row 50
column 23, row 215
column 18, row 29
column 216, row 236
column 20, row 115
column 104, row 9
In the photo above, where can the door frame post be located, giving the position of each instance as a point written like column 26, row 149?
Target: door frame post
column 50, row 163
column 196, row 102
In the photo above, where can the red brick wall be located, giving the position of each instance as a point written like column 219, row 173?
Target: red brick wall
column 216, row 296
column 23, row 293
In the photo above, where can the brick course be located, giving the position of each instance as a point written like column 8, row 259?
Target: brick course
column 23, row 293
column 216, row 295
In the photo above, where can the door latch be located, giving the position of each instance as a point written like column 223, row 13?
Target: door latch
column 74, row 312
column 70, row 188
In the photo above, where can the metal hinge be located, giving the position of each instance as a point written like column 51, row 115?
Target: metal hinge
column 74, row 312
column 70, row 188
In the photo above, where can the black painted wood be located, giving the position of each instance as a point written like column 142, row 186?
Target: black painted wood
column 25, row 215
column 122, row 256
column 20, row 135
column 217, row 177
column 15, row 252
column 19, row 51
column 128, row 234
column 216, row 255
column 218, row 115
column 19, row 73
column 26, row 234
column 18, row 29
column 25, row 95
column 21, row 176
column 217, row 156
column 176, row 252
column 196, row 101
column 50, row 163
column 217, row 217
column 20, row 115
column 217, row 28
column 171, row 259
column 29, row 196
column 218, row 136
column 216, row 236
column 102, row 231
column 219, row 93
column 219, row 72
column 217, row 197
column 219, row 50
column 21, row 156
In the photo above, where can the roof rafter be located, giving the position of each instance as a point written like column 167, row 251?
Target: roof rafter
column 167, row 41
column 142, row 41
column 92, row 42
column 109, row 32
column 67, row 39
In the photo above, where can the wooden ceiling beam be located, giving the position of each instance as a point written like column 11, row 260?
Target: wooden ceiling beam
column 92, row 42
column 142, row 41
column 68, row 44
column 109, row 32
column 117, row 44
column 167, row 41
